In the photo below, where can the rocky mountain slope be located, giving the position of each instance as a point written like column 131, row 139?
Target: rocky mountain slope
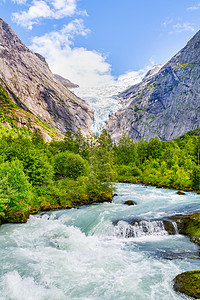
column 32, row 86
column 103, row 98
column 166, row 104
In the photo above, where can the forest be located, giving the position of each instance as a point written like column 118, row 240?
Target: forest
column 38, row 176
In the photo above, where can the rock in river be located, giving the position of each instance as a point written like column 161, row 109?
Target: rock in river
column 188, row 283
column 130, row 202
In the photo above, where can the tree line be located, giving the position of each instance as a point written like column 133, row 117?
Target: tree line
column 78, row 170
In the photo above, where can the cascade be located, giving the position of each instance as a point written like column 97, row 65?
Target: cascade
column 140, row 228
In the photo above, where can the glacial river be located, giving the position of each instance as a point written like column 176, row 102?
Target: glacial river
column 94, row 253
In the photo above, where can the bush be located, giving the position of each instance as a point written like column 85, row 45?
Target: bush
column 37, row 167
column 196, row 177
column 70, row 165
column 15, row 189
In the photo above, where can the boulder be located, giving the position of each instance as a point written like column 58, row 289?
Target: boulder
column 130, row 202
column 188, row 283
column 180, row 193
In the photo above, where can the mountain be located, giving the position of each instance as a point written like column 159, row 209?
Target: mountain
column 32, row 86
column 166, row 104
column 66, row 82
column 103, row 98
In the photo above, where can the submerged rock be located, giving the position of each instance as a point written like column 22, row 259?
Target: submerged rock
column 188, row 283
column 180, row 193
column 130, row 202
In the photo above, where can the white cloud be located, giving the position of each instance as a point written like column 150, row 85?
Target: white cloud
column 87, row 68
column 54, row 9
column 178, row 27
column 196, row 7
column 19, row 1
column 182, row 27
column 167, row 22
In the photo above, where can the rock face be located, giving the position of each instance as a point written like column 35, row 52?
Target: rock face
column 67, row 83
column 34, row 88
column 166, row 104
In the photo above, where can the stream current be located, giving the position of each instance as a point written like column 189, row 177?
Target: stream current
column 94, row 253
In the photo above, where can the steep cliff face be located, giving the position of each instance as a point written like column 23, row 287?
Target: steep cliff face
column 166, row 104
column 34, row 88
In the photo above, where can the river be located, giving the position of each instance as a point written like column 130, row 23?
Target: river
column 86, row 253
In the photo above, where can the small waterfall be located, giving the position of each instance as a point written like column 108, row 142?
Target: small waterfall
column 139, row 229
column 174, row 224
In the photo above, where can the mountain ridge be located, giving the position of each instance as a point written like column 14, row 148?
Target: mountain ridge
column 32, row 86
column 167, row 105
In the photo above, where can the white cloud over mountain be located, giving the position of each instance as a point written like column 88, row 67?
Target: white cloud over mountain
column 82, row 66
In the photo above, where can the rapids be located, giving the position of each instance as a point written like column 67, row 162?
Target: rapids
column 94, row 252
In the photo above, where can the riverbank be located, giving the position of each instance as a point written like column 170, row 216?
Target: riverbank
column 134, row 180
column 17, row 216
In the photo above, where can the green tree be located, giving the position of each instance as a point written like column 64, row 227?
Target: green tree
column 142, row 150
column 102, row 158
column 16, row 191
column 196, row 177
column 68, row 164
column 126, row 150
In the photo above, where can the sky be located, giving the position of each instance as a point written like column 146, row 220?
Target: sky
column 91, row 42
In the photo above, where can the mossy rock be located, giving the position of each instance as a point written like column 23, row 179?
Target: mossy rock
column 130, row 202
column 188, row 283
column 195, row 239
column 190, row 225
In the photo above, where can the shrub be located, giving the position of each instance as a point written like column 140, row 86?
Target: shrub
column 68, row 164
column 15, row 189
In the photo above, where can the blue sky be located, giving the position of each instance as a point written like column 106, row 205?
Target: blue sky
column 94, row 41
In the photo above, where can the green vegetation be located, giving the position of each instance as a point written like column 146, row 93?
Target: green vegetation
column 174, row 164
column 36, row 176
column 6, row 107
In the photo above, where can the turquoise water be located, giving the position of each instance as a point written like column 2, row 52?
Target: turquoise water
column 85, row 253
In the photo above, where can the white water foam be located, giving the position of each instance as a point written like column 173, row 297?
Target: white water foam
column 73, row 256
column 139, row 229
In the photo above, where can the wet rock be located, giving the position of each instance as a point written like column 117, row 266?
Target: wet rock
column 115, row 195
column 189, row 225
column 188, row 283
column 170, row 227
column 195, row 239
column 180, row 193
column 130, row 202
